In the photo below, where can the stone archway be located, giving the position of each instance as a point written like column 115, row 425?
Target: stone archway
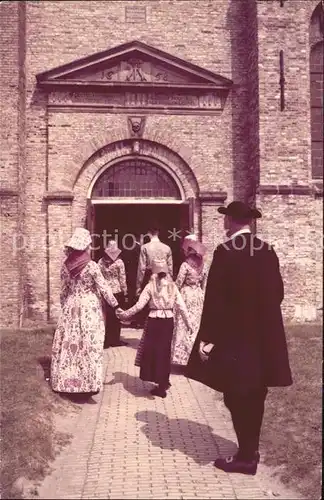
column 113, row 153
column 136, row 177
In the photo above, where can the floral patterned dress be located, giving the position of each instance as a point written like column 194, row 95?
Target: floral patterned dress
column 115, row 275
column 77, row 351
column 191, row 282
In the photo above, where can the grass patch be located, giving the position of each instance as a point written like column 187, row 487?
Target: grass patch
column 291, row 440
column 29, row 441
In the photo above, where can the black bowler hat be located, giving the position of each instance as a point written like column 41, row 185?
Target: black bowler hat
column 240, row 210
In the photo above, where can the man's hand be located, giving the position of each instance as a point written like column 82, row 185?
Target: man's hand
column 204, row 350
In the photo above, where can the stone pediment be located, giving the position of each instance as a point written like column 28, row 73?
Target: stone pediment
column 135, row 77
column 132, row 64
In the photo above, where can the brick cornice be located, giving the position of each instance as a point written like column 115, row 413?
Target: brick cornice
column 8, row 193
column 214, row 197
column 285, row 189
column 58, row 196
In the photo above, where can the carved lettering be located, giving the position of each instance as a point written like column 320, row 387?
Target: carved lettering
column 209, row 101
column 161, row 76
column 135, row 72
column 143, row 99
column 107, row 75
column 136, row 99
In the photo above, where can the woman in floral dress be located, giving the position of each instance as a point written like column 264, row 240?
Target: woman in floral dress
column 77, row 351
column 191, row 281
column 113, row 270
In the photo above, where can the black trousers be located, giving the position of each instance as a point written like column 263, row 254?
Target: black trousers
column 247, row 411
column 112, row 325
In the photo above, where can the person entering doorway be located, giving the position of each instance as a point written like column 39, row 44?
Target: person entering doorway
column 113, row 270
column 152, row 251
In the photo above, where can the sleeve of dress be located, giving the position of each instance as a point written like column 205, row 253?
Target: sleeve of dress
column 122, row 277
column 65, row 283
column 181, row 307
column 204, row 278
column 141, row 267
column 170, row 262
column 181, row 275
column 140, row 304
column 102, row 267
column 102, row 286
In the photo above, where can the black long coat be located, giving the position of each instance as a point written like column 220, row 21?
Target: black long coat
column 242, row 318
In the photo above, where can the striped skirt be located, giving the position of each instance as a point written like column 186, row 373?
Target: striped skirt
column 139, row 351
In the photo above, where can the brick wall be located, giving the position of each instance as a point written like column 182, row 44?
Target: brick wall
column 9, row 162
column 291, row 217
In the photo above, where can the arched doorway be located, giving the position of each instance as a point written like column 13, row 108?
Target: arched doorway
column 127, row 196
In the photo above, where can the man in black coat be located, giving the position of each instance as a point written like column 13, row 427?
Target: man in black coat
column 241, row 347
column 131, row 257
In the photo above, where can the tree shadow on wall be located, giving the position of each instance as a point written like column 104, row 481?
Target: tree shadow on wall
column 241, row 22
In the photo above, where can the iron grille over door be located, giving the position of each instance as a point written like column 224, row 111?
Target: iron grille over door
column 136, row 179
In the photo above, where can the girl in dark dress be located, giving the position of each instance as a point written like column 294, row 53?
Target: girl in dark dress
column 163, row 298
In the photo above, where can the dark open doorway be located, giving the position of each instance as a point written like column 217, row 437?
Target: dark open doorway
column 125, row 222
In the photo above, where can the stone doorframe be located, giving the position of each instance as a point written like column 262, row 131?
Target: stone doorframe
column 67, row 210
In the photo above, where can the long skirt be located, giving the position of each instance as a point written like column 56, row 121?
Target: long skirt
column 77, row 351
column 112, row 323
column 139, row 351
column 155, row 364
column 183, row 341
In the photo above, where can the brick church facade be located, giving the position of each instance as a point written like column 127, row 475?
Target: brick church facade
column 114, row 111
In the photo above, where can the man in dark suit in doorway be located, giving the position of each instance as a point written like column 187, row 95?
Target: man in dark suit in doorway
column 130, row 257
column 153, row 250
column 241, row 346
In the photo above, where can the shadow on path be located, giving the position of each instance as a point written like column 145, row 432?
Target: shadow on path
column 132, row 342
column 191, row 438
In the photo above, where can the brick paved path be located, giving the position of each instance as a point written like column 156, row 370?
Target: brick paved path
column 132, row 445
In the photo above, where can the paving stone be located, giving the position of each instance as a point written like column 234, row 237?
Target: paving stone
column 131, row 445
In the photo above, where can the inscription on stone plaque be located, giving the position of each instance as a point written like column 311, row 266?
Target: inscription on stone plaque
column 138, row 100
column 176, row 100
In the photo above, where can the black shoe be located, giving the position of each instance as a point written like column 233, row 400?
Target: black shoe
column 256, row 455
column 158, row 392
column 232, row 464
